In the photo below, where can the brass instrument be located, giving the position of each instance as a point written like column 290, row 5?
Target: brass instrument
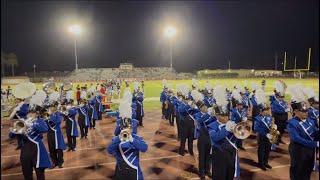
column 166, row 104
column 66, row 86
column 19, row 127
column 124, row 135
column 242, row 130
column 49, row 87
column 274, row 132
column 45, row 116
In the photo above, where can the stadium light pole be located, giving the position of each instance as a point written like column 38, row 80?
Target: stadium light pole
column 76, row 30
column 170, row 32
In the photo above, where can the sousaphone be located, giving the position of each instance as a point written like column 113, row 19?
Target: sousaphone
column 49, row 87
column 66, row 86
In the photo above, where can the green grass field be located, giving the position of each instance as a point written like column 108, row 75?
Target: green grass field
column 153, row 88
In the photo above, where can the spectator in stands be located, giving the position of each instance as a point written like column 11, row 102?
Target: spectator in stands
column 78, row 95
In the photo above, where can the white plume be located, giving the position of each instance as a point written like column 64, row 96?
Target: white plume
column 169, row 87
column 279, row 87
column 241, row 89
column 184, row 89
column 245, row 83
column 197, row 96
column 236, row 95
column 127, row 90
column 54, row 96
column 198, row 85
column 226, row 85
column 164, row 82
column 208, row 86
column 309, row 92
column 255, row 86
column 36, row 100
column 125, row 110
column 260, row 96
column 127, row 97
column 69, row 95
column 193, row 81
column 220, row 96
column 234, row 83
column 217, row 84
column 296, row 93
column 136, row 85
column 179, row 87
column 41, row 93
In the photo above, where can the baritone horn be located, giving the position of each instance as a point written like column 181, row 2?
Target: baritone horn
column 49, row 87
column 18, row 127
column 242, row 130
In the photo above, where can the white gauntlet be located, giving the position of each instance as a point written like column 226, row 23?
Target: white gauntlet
column 244, row 119
column 130, row 138
column 269, row 136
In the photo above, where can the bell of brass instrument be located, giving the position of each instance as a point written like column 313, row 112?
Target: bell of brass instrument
column 49, row 87
column 124, row 135
column 19, row 127
column 274, row 132
column 242, row 130
column 45, row 116
column 66, row 86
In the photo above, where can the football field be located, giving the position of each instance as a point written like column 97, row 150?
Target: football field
column 152, row 89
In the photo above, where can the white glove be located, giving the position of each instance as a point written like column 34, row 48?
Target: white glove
column 190, row 103
column 269, row 136
column 275, row 126
column 130, row 138
column 318, row 144
column 210, row 110
column 287, row 109
column 230, row 126
column 29, row 123
column 245, row 119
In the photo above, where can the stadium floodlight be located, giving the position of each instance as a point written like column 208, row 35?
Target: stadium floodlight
column 75, row 29
column 170, row 32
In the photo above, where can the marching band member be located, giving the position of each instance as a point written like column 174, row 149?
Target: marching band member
column 137, row 97
column 279, row 108
column 229, row 98
column 208, row 98
column 120, row 121
column 21, row 110
column 55, row 138
column 304, row 137
column 33, row 152
column 118, row 90
column 193, row 87
column 313, row 113
column 187, row 124
column 176, row 102
column 78, row 96
column 204, row 144
column 91, row 90
column 313, row 110
column 245, row 101
column 171, row 111
column 92, row 113
column 163, row 99
column 255, row 107
column 238, row 114
column 69, row 116
column 224, row 150
column 98, row 105
column 83, row 118
column 263, row 124
column 127, row 149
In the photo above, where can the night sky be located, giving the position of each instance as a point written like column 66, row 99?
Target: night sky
column 209, row 33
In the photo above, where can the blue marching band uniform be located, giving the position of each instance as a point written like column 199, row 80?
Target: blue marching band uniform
column 137, row 99
column 71, row 128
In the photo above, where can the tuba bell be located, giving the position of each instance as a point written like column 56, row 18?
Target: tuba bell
column 19, row 127
column 66, row 86
column 49, row 87
column 242, row 130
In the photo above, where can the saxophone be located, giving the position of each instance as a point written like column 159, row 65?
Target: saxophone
column 274, row 132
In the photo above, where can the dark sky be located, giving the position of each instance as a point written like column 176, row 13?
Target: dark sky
column 209, row 33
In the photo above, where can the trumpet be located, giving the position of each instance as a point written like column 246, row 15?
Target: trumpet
column 274, row 132
column 242, row 130
column 124, row 135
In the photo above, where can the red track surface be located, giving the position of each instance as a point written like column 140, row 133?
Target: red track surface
column 161, row 161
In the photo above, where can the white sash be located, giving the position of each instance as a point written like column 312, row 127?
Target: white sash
column 265, row 123
column 305, row 130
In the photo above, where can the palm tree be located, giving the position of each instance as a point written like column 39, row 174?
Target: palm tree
column 3, row 62
column 12, row 61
